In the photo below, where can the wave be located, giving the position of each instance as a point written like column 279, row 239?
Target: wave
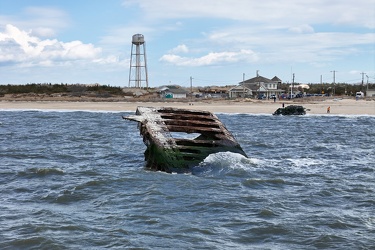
column 263, row 182
column 66, row 110
column 217, row 113
column 223, row 163
column 42, row 171
column 306, row 115
column 305, row 162
column 244, row 114
column 341, row 115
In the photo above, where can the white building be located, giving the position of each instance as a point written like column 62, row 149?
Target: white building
column 174, row 92
column 257, row 87
column 370, row 93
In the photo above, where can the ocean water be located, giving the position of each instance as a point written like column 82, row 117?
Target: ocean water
column 76, row 180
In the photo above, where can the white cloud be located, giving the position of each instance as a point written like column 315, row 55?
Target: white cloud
column 286, row 12
column 18, row 46
column 42, row 21
column 287, row 31
column 179, row 49
column 305, row 28
column 276, row 44
column 43, row 32
column 213, row 58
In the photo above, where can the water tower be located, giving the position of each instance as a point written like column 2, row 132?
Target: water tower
column 138, row 66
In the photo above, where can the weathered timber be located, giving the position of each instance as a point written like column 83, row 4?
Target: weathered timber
column 290, row 110
column 167, row 152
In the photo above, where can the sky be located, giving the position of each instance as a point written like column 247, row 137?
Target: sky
column 198, row 42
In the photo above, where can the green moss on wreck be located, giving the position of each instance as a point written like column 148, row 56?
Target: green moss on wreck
column 162, row 159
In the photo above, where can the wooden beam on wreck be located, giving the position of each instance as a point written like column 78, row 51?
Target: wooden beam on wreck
column 189, row 129
column 187, row 123
column 194, row 117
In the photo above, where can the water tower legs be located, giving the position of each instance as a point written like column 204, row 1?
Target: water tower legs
column 138, row 76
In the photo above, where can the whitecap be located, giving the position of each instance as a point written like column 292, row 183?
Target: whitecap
column 225, row 162
column 305, row 162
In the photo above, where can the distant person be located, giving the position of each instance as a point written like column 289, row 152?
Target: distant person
column 283, row 105
column 328, row 110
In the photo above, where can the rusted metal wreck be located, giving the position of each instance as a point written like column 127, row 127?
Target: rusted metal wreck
column 162, row 128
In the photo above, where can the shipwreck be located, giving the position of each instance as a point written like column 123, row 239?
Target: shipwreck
column 291, row 110
column 164, row 133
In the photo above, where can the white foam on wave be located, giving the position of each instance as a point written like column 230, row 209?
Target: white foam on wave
column 227, row 164
column 229, row 161
column 305, row 162
column 307, row 166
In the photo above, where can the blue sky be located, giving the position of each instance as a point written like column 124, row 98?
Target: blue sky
column 215, row 42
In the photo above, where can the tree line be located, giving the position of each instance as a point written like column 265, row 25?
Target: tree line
column 106, row 91
column 48, row 88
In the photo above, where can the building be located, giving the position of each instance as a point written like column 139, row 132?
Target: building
column 240, row 92
column 213, row 92
column 370, row 93
column 258, row 86
column 173, row 91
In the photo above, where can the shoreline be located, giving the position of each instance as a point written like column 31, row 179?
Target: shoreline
column 337, row 106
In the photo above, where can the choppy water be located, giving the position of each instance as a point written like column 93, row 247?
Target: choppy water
column 75, row 180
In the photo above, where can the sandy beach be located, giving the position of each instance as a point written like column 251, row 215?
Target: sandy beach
column 337, row 106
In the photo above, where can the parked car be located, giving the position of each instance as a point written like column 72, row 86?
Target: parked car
column 359, row 94
column 261, row 97
column 283, row 96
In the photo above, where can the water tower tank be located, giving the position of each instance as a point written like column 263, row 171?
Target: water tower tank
column 138, row 39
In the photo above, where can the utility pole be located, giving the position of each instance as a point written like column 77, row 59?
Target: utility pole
column 367, row 85
column 291, row 92
column 258, row 91
column 363, row 75
column 191, row 87
column 243, row 84
column 334, row 80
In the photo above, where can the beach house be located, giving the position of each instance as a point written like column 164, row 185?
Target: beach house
column 172, row 91
column 259, row 86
